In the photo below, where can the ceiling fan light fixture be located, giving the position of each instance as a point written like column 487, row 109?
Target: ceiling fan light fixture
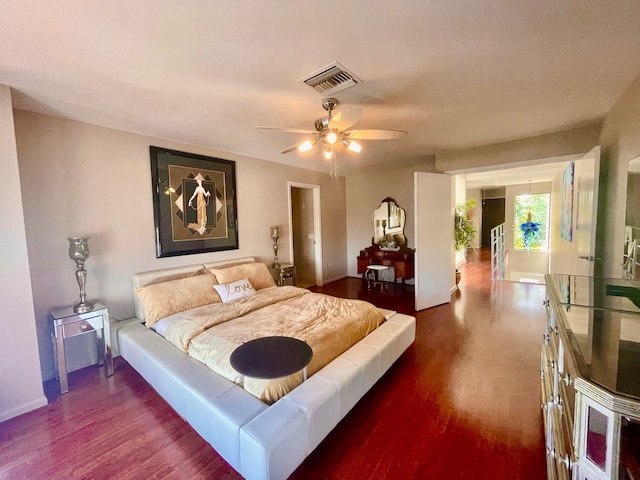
column 337, row 129
column 354, row 146
column 305, row 146
column 328, row 152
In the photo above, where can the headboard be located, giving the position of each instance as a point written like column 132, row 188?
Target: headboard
column 165, row 274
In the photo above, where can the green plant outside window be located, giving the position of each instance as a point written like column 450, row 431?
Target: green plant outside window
column 464, row 231
column 531, row 222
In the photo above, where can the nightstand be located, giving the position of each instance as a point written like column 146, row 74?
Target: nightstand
column 67, row 323
column 284, row 271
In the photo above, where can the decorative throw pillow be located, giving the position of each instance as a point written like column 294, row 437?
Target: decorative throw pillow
column 257, row 273
column 160, row 300
column 235, row 290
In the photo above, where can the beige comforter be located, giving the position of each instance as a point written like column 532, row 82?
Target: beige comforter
column 328, row 324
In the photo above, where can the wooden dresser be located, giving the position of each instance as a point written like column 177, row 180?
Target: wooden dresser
column 590, row 378
column 401, row 260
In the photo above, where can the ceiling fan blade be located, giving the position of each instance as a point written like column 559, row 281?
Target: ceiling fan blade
column 291, row 148
column 375, row 134
column 284, row 129
column 312, row 143
column 345, row 118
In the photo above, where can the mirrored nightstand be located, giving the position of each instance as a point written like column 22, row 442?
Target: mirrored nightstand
column 66, row 323
column 283, row 272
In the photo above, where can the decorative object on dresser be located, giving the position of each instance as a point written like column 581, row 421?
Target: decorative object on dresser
column 590, row 361
column 67, row 323
column 388, row 244
column 194, row 203
column 79, row 252
column 275, row 235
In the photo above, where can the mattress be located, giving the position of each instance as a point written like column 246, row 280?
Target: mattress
column 329, row 325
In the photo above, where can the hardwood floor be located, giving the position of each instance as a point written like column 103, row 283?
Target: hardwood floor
column 461, row 403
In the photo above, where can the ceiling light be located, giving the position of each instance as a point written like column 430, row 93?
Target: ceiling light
column 351, row 145
column 331, row 137
column 328, row 152
column 305, row 146
column 354, row 146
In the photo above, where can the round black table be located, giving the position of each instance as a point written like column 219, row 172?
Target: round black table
column 271, row 357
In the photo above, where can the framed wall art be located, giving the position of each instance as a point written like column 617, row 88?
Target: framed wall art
column 566, row 214
column 194, row 203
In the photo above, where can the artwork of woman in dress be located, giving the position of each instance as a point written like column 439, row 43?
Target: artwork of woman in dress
column 202, row 196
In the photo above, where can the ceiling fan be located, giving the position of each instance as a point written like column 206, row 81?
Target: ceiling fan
column 331, row 132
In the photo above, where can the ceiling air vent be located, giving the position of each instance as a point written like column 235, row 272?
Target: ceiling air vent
column 330, row 79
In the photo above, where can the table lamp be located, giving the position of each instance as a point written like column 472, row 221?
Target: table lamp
column 79, row 252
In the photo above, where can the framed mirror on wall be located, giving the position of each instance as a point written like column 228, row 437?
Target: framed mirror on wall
column 388, row 225
column 632, row 221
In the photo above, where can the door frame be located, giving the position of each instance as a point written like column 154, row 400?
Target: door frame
column 317, row 227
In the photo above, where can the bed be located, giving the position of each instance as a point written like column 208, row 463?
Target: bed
column 262, row 437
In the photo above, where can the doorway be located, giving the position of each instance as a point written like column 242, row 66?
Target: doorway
column 305, row 228
column 493, row 211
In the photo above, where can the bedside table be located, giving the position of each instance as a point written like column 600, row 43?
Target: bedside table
column 285, row 270
column 67, row 323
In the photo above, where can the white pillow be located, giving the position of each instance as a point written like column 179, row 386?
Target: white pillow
column 235, row 290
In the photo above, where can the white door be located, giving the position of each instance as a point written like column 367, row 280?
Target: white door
column 586, row 173
column 434, row 264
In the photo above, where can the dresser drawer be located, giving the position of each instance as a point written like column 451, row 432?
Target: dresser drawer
column 76, row 328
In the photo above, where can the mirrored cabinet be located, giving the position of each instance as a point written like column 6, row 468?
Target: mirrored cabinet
column 590, row 378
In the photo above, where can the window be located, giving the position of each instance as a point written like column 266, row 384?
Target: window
column 531, row 222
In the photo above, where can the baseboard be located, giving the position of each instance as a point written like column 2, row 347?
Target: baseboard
column 24, row 408
column 329, row 280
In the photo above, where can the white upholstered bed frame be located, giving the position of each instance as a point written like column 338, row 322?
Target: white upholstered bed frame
column 258, row 440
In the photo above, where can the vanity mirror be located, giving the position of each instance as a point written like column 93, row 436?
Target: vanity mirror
column 632, row 221
column 388, row 225
column 388, row 245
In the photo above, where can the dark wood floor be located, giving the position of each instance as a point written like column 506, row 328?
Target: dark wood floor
column 461, row 403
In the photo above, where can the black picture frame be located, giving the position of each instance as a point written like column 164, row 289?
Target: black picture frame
column 194, row 203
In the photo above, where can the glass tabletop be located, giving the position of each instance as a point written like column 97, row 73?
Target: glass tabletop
column 602, row 319
column 597, row 292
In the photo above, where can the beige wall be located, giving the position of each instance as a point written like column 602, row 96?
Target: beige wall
column 569, row 142
column 20, row 380
column 80, row 179
column 365, row 191
column 620, row 141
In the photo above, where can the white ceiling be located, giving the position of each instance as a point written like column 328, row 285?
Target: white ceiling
column 453, row 74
